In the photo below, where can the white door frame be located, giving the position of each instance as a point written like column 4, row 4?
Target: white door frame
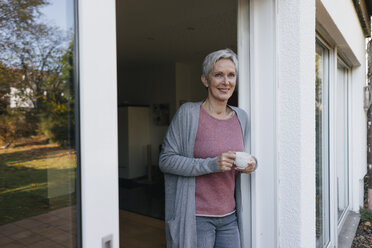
column 244, row 103
column 257, row 95
column 98, row 120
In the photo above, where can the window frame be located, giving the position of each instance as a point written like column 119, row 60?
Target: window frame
column 336, row 55
column 327, row 149
column 341, row 221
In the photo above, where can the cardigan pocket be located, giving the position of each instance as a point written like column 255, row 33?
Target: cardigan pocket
column 172, row 227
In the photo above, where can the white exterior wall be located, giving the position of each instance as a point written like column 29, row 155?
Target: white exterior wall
column 345, row 17
column 296, row 122
column 18, row 100
column 295, row 119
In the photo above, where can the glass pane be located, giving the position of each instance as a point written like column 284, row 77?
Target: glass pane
column 37, row 124
column 341, row 140
column 321, row 123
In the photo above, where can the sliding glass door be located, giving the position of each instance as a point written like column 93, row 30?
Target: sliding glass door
column 38, row 125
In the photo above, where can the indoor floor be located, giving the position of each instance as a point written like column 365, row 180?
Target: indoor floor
column 141, row 231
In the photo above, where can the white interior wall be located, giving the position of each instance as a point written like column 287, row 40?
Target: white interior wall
column 148, row 85
column 183, row 76
column 188, row 83
column 156, row 84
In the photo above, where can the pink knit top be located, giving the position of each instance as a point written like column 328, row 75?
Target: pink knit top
column 214, row 193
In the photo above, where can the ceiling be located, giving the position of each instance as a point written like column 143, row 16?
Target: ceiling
column 174, row 30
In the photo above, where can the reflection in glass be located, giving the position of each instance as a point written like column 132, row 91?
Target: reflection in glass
column 341, row 136
column 37, row 124
column 322, row 165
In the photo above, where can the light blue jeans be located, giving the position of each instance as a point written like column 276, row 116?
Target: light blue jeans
column 217, row 232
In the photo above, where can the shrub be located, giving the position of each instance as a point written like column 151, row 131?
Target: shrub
column 366, row 215
column 16, row 124
column 58, row 124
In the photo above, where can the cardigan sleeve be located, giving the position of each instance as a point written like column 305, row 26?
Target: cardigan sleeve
column 244, row 122
column 171, row 159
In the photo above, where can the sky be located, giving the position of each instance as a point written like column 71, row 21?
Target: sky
column 60, row 13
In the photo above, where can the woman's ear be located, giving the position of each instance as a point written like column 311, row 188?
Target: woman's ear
column 204, row 81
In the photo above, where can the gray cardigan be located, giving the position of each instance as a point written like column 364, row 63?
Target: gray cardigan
column 180, row 169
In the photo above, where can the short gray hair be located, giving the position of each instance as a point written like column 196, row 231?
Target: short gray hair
column 213, row 57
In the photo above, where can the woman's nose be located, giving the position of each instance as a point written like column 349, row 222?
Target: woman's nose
column 226, row 80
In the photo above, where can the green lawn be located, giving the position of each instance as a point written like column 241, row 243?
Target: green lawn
column 34, row 179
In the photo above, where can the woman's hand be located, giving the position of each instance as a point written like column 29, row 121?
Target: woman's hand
column 225, row 161
column 250, row 168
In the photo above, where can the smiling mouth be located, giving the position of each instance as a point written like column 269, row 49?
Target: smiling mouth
column 224, row 90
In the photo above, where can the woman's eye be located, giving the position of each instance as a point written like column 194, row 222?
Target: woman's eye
column 218, row 75
column 231, row 75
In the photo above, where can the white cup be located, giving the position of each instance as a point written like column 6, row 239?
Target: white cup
column 242, row 159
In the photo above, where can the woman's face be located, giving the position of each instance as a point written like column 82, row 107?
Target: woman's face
column 221, row 80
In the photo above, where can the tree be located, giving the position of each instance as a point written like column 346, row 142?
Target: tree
column 34, row 57
column 59, row 121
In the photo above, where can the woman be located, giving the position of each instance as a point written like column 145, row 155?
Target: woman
column 202, row 185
